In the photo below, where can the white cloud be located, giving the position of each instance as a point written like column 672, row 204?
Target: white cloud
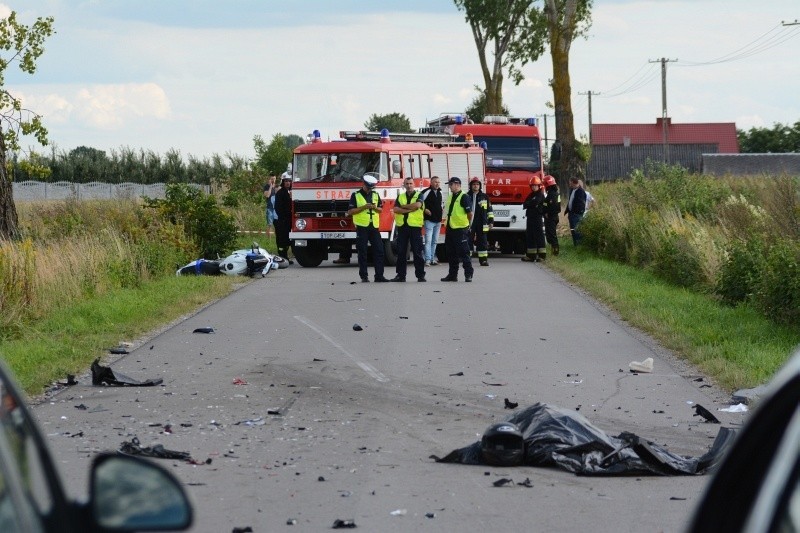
column 109, row 107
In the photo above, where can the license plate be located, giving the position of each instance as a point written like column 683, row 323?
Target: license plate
column 501, row 212
column 331, row 235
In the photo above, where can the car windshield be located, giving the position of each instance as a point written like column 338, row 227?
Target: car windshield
column 338, row 167
column 512, row 153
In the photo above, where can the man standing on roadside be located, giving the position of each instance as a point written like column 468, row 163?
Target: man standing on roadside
column 576, row 207
column 283, row 208
column 459, row 216
column 408, row 218
column 365, row 208
column 434, row 207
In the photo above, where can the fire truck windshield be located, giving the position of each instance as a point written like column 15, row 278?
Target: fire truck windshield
column 341, row 167
column 512, row 153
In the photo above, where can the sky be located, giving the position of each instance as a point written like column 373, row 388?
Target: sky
column 204, row 77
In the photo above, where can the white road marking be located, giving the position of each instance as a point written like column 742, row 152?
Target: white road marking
column 366, row 367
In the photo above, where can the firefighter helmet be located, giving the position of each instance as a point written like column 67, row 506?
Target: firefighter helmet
column 475, row 179
column 502, row 444
column 549, row 180
column 536, row 180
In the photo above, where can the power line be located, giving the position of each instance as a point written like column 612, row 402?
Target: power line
column 757, row 46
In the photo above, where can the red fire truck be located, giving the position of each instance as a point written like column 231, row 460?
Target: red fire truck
column 513, row 156
column 325, row 174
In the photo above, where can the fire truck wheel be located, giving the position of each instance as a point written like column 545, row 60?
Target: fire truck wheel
column 389, row 257
column 310, row 256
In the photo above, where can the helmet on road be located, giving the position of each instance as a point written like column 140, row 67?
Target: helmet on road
column 536, row 180
column 502, row 444
column 549, row 180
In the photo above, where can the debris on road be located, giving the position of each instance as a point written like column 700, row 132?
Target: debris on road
column 344, row 524
column 356, row 327
column 503, row 481
column 738, row 408
column 119, row 350
column 749, row 396
column 204, row 330
column 457, row 374
column 103, row 375
column 699, row 410
column 157, row 451
column 645, row 366
column 239, row 381
column 509, row 404
column 555, row 436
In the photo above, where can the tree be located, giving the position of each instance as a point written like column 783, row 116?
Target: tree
column 566, row 20
column 779, row 139
column 516, row 32
column 272, row 158
column 477, row 109
column 22, row 45
column 394, row 122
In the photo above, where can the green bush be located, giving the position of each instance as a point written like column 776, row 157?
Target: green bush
column 778, row 292
column 741, row 271
column 212, row 230
column 676, row 261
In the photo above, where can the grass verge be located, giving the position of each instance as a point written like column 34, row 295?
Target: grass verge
column 70, row 338
column 736, row 346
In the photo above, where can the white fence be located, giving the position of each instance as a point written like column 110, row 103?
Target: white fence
column 63, row 190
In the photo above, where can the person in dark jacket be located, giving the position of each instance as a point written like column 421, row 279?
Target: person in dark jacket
column 433, row 205
column 576, row 207
column 283, row 208
column 482, row 220
column 552, row 210
column 536, row 247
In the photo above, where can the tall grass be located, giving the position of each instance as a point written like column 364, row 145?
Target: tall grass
column 737, row 239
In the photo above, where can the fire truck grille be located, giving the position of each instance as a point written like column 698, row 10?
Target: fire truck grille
column 325, row 207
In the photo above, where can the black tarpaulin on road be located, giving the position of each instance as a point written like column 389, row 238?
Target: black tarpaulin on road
column 103, row 375
column 560, row 437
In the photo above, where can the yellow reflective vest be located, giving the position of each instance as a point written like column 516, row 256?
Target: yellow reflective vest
column 364, row 218
column 415, row 218
column 456, row 214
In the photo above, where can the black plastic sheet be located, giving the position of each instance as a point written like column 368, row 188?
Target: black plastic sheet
column 103, row 375
column 555, row 436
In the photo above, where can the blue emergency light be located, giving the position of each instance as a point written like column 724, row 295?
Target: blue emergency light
column 317, row 136
column 385, row 136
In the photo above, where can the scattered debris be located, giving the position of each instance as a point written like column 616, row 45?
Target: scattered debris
column 207, row 329
column 404, row 317
column 645, row 366
column 699, row 410
column 399, row 512
column 239, row 381
column 356, row 327
column 344, row 524
column 103, row 375
column 156, row 451
column 503, row 481
column 527, row 483
column 494, row 384
column 738, row 408
column 246, row 529
column 749, row 396
column 430, row 515
column 118, row 350
column 320, row 478
column 82, row 407
column 676, row 498
column 509, row 404
column 291, row 522
column 457, row 374
column 70, row 381
column 251, row 422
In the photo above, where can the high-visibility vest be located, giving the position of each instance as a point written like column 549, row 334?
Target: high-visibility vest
column 415, row 218
column 364, row 218
column 456, row 214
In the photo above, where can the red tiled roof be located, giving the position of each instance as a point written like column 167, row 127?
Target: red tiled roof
column 721, row 133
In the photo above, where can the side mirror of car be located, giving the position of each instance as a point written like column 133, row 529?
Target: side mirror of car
column 131, row 494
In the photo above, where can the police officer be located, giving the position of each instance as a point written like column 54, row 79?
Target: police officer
column 536, row 247
column 283, row 208
column 365, row 208
column 408, row 220
column 482, row 220
column 552, row 210
column 459, row 216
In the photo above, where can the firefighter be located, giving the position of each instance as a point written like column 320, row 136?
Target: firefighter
column 552, row 210
column 283, row 208
column 536, row 247
column 365, row 208
column 459, row 216
column 482, row 220
column 408, row 220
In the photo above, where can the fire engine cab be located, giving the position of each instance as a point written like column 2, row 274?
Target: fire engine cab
column 513, row 156
column 326, row 173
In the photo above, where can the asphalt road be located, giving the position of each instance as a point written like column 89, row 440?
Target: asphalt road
column 334, row 423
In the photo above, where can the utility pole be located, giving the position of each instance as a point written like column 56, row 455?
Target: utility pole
column 589, row 94
column 664, row 116
column 546, row 146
